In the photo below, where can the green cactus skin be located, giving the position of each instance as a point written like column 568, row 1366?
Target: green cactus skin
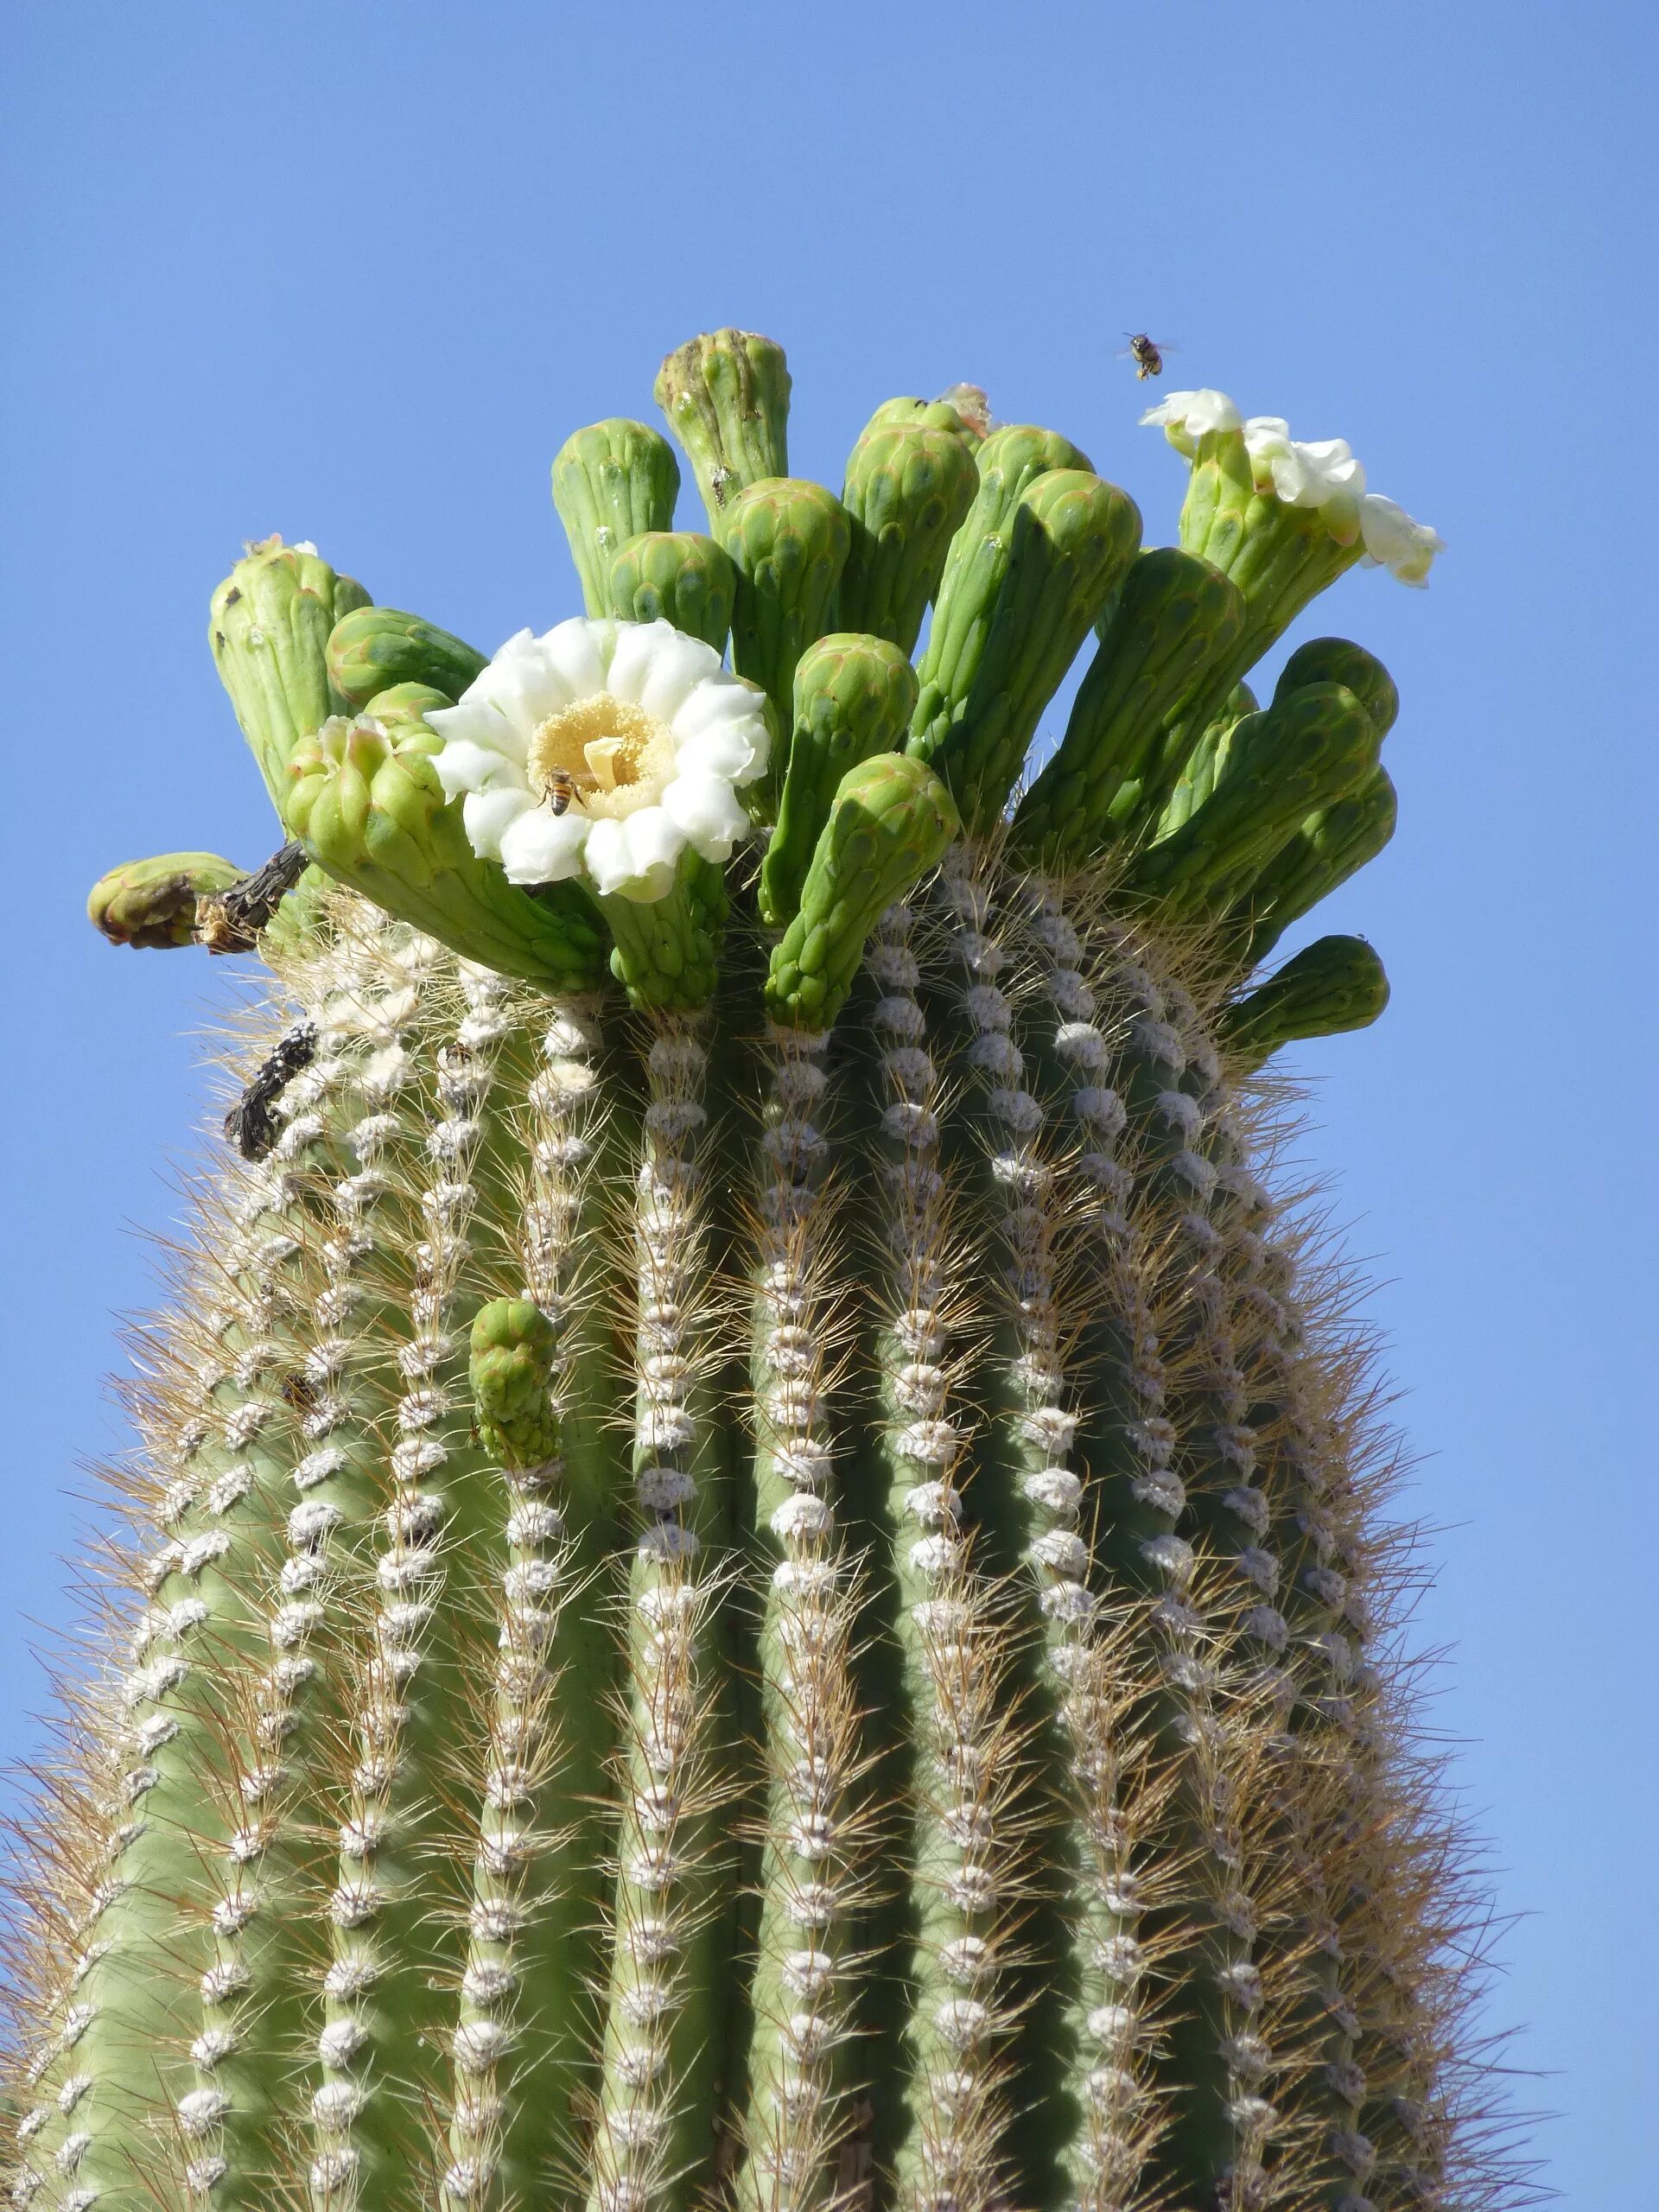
column 890, row 820
column 1327, row 848
column 1009, row 462
column 726, row 395
column 788, row 541
column 1072, row 537
column 1281, row 766
column 1206, row 763
column 1173, row 615
column 152, row 904
column 1335, row 984
column 677, row 576
column 854, row 697
column 374, row 648
column 763, row 1583
column 373, row 814
column 612, row 482
column 667, row 951
column 908, row 488
column 269, row 626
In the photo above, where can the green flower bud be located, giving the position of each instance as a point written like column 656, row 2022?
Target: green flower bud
column 677, row 576
column 1281, row 766
column 1333, row 985
column 1337, row 660
column 854, row 697
column 1172, row 614
column 374, row 648
column 269, row 626
column 788, row 540
column 908, row 488
column 610, row 482
column 511, row 1370
column 1073, row 536
column 401, row 711
column 373, row 814
column 922, row 415
column 890, row 821
column 666, row 952
column 726, row 395
column 152, row 904
column 1009, row 462
column 1206, row 764
column 1329, row 847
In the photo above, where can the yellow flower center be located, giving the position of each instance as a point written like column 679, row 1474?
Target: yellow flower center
column 603, row 757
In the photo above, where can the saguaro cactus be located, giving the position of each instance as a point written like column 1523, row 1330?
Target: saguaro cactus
column 763, row 1583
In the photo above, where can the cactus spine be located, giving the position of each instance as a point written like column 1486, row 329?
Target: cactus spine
column 766, row 1586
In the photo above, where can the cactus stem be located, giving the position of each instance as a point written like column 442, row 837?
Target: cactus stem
column 653, row 2135
column 968, row 1884
column 816, row 1839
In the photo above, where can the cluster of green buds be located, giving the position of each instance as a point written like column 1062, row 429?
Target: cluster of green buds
column 573, row 802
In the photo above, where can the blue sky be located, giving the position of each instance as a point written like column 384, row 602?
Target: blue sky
column 352, row 271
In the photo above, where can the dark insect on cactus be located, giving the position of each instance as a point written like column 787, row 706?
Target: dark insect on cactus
column 767, row 1584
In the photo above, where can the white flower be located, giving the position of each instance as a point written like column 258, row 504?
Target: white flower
column 1320, row 472
column 602, row 747
column 1395, row 542
column 1185, row 416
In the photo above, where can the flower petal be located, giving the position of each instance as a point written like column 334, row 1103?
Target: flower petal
column 655, row 843
column 1195, row 412
column 542, row 846
column 524, row 682
column 1395, row 542
column 480, row 723
column 722, row 729
column 606, row 856
column 488, row 814
column 706, row 811
column 579, row 653
column 464, row 766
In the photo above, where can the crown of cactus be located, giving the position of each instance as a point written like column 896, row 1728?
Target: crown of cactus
column 764, row 1583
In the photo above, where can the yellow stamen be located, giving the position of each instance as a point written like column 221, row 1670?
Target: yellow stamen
column 612, row 756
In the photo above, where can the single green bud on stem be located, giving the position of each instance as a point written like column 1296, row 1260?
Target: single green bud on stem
column 677, row 576
column 152, row 904
column 401, row 711
column 908, row 488
column 374, row 648
column 666, row 951
column 1010, row 460
column 611, row 482
column 788, row 540
column 1336, row 984
column 1171, row 614
column 1339, row 660
column 1206, row 764
column 1073, row 536
column 1283, row 765
column 510, row 1369
column 924, row 414
column 890, row 821
column 726, row 395
column 1280, row 557
column 373, row 814
column 854, row 697
column 1329, row 847
column 269, row 626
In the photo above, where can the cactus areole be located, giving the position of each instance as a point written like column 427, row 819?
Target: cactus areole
column 759, row 1580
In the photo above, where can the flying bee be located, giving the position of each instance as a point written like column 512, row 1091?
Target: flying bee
column 1149, row 357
